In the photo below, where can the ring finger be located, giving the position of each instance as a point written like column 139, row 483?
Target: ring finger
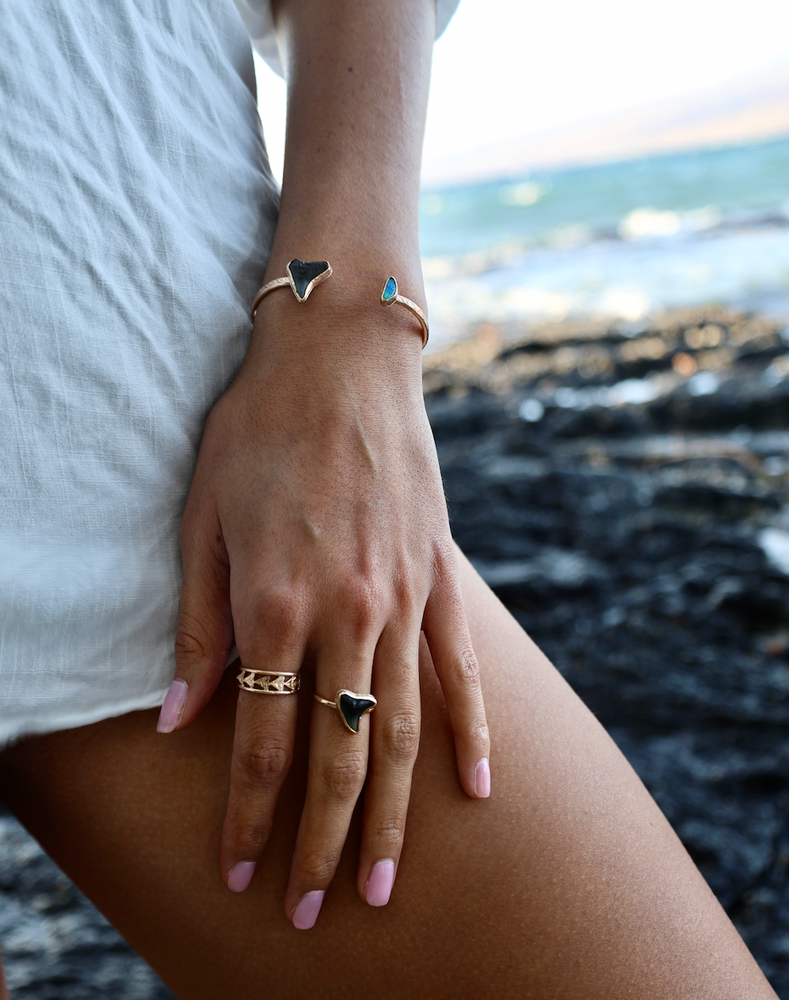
column 337, row 769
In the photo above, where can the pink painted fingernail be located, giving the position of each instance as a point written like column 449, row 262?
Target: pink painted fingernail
column 240, row 875
column 173, row 707
column 379, row 884
column 482, row 779
column 307, row 910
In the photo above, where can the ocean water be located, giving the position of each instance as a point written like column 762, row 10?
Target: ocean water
column 622, row 240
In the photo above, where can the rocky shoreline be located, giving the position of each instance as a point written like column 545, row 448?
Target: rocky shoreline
column 625, row 490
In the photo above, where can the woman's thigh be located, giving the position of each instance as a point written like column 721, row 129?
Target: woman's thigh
column 567, row 882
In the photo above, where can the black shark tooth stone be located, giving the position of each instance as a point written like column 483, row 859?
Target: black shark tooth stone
column 303, row 272
column 352, row 709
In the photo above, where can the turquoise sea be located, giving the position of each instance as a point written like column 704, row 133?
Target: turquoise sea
column 623, row 240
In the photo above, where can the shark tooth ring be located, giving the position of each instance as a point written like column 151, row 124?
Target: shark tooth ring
column 302, row 277
column 390, row 296
column 351, row 706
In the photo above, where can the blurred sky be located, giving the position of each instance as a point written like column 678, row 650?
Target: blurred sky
column 506, row 68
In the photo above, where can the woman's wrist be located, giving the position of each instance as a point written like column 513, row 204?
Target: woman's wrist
column 343, row 314
column 358, row 77
column 341, row 335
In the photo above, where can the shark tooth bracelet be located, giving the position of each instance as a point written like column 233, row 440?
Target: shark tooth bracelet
column 303, row 276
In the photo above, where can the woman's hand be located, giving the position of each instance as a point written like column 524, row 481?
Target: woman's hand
column 316, row 528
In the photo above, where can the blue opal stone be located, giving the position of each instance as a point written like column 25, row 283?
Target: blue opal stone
column 390, row 290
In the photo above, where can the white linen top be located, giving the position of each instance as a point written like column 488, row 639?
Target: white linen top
column 256, row 15
column 137, row 210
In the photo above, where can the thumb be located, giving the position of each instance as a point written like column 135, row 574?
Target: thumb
column 205, row 624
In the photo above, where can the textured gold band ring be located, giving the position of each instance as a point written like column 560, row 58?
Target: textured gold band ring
column 391, row 296
column 268, row 681
column 351, row 707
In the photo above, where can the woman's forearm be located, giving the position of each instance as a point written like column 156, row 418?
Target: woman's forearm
column 358, row 75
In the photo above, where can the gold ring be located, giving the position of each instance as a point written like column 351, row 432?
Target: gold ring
column 351, row 706
column 390, row 296
column 302, row 277
column 268, row 681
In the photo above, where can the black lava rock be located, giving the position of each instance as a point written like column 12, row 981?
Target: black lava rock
column 638, row 528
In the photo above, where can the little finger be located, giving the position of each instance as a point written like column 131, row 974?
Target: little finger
column 448, row 637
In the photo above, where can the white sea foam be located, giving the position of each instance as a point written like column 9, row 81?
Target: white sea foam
column 570, row 236
column 648, row 223
column 525, row 194
column 627, row 280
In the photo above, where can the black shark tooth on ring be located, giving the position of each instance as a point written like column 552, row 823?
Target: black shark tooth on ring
column 350, row 706
column 353, row 706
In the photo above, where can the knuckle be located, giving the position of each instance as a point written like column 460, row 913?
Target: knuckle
column 366, row 603
column 388, row 832
column 249, row 841
column 467, row 667
column 264, row 765
column 192, row 642
column 409, row 595
column 342, row 777
column 480, row 737
column 280, row 607
column 277, row 610
column 318, row 869
column 444, row 558
column 400, row 736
